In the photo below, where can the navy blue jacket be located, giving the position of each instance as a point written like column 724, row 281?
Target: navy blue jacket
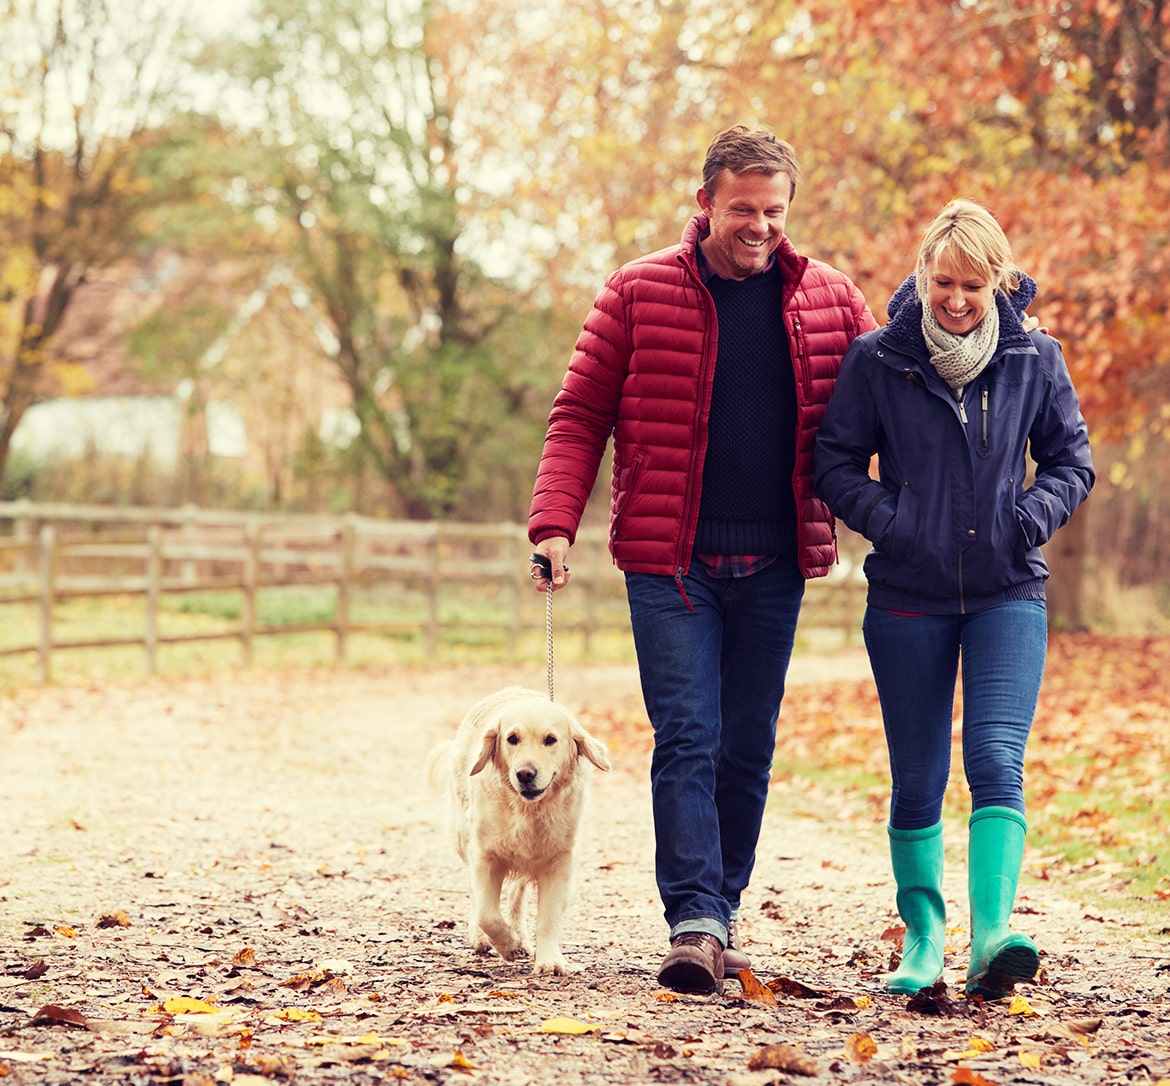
column 955, row 524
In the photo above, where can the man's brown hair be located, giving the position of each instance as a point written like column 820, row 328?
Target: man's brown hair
column 741, row 149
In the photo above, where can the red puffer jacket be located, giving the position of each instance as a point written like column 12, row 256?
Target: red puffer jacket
column 642, row 370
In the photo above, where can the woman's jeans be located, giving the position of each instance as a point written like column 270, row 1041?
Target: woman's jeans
column 915, row 660
column 712, row 679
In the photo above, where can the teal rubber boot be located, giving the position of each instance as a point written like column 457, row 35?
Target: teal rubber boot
column 999, row 958
column 917, row 857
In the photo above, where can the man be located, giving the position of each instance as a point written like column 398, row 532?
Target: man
column 710, row 363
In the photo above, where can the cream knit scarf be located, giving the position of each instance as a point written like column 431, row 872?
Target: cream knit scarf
column 960, row 359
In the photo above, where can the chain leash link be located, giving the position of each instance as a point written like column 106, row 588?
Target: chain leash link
column 548, row 634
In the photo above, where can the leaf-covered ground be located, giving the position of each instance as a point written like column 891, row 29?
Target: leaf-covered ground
column 244, row 880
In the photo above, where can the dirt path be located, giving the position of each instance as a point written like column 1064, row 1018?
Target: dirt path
column 264, row 844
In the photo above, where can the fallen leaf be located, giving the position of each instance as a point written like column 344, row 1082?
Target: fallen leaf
column 860, row 1048
column 934, row 1000
column 66, row 931
column 1021, row 1006
column 1083, row 1025
column 754, row 991
column 119, row 1025
column 976, row 1047
column 460, row 1060
column 114, row 920
column 244, row 959
column 269, row 1067
column 969, row 1078
column 783, row 1058
column 25, row 1057
column 36, row 970
column 298, row 1014
column 188, row 1005
column 566, row 1025
column 788, row 986
column 300, row 981
column 1031, row 1059
column 52, row 1015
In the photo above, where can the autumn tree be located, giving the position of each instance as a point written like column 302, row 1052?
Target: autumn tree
column 82, row 83
column 353, row 155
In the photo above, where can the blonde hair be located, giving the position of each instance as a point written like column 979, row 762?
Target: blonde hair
column 969, row 236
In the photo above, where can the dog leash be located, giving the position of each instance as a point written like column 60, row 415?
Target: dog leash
column 545, row 570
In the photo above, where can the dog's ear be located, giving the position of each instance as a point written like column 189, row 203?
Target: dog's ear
column 588, row 747
column 487, row 751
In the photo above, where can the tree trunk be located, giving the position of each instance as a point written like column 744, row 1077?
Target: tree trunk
column 1069, row 589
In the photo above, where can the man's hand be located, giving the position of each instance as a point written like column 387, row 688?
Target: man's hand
column 556, row 550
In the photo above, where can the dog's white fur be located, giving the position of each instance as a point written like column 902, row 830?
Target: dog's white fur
column 516, row 781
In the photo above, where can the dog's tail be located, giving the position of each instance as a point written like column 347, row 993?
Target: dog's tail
column 437, row 767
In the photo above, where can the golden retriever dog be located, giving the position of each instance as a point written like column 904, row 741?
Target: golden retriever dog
column 516, row 782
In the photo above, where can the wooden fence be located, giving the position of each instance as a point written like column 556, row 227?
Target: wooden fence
column 422, row 573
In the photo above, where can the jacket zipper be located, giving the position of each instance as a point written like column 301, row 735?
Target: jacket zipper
column 984, row 424
column 963, row 406
column 689, row 502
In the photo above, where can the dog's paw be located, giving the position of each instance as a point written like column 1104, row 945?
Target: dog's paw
column 507, row 944
column 553, row 963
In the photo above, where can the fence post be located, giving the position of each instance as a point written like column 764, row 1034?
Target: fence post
column 48, row 562
column 251, row 578
column 22, row 531
column 188, row 572
column 153, row 592
column 347, row 541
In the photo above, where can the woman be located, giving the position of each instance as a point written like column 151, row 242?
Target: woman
column 951, row 395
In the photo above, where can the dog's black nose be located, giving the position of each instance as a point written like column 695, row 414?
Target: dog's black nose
column 526, row 776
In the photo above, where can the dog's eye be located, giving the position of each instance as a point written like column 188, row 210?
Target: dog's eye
column 513, row 739
column 550, row 740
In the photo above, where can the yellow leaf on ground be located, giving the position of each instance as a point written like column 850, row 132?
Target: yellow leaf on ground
column 66, row 931
column 972, row 1053
column 460, row 1060
column 298, row 1014
column 188, row 1005
column 981, row 1044
column 1021, row 1006
column 567, row 1025
column 860, row 1048
column 1031, row 1059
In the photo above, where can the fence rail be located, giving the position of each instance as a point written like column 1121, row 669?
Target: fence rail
column 423, row 574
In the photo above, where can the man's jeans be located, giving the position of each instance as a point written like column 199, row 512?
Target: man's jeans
column 915, row 660
column 712, row 679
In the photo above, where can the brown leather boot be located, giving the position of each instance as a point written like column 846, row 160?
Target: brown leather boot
column 694, row 964
column 734, row 959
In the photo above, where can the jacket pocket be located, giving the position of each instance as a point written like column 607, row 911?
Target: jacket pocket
column 625, row 482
